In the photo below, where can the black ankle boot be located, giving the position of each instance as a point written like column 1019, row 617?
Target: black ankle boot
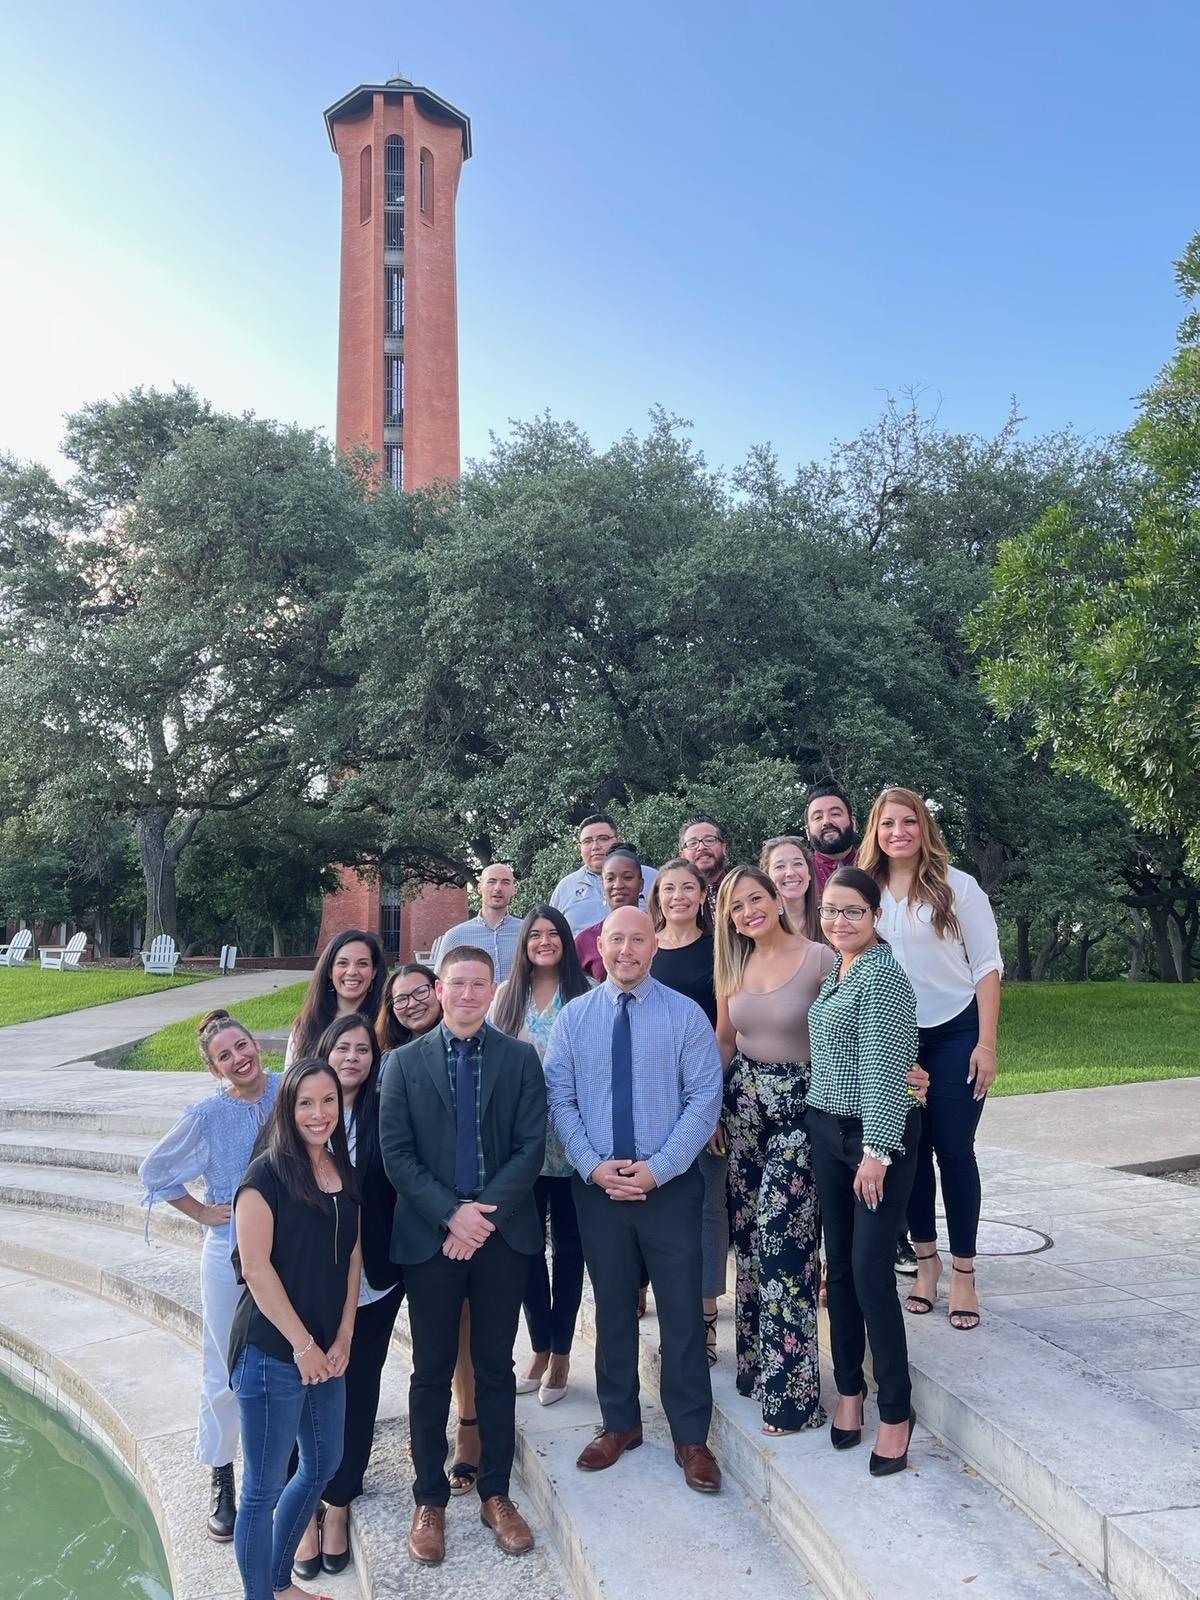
column 224, row 1505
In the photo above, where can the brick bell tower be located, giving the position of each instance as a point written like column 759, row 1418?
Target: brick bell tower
column 401, row 150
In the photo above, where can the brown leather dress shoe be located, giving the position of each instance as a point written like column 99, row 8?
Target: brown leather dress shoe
column 427, row 1537
column 513, row 1533
column 700, row 1469
column 607, row 1448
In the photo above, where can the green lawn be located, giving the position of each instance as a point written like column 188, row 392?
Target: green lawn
column 27, row 993
column 1082, row 1035
column 1054, row 1036
column 173, row 1049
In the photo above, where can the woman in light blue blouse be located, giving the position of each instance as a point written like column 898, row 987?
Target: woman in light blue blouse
column 547, row 975
column 213, row 1142
column 864, row 1127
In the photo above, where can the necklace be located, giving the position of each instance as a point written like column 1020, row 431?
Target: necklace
column 325, row 1187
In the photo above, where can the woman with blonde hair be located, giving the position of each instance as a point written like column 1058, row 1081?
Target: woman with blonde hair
column 787, row 863
column 940, row 926
column 767, row 976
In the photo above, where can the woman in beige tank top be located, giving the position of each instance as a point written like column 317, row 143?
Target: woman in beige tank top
column 767, row 976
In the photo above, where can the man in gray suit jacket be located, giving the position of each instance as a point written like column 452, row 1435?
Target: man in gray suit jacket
column 462, row 1128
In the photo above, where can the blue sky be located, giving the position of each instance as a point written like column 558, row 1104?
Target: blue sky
column 764, row 218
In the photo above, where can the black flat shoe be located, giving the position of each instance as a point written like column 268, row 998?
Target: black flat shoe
column 884, row 1466
column 334, row 1564
column 464, row 1473
column 306, row 1571
column 847, row 1438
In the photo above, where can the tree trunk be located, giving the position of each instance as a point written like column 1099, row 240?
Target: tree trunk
column 276, row 939
column 1056, row 942
column 1137, row 948
column 158, row 869
column 1024, row 954
column 1163, row 952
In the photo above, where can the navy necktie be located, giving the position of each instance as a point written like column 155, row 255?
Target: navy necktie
column 624, row 1148
column 466, row 1149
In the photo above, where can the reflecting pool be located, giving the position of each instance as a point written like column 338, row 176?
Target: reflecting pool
column 72, row 1526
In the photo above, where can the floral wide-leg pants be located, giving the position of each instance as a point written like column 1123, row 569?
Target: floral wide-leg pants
column 774, row 1220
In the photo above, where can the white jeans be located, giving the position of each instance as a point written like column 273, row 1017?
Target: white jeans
column 217, row 1432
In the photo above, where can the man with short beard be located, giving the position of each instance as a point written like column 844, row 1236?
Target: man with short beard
column 832, row 830
column 702, row 842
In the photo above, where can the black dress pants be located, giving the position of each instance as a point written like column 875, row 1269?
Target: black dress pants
column 492, row 1283
column 663, row 1230
column 860, row 1252
column 368, row 1351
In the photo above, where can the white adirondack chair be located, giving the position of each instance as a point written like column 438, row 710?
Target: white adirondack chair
column 64, row 957
column 14, row 953
column 162, row 956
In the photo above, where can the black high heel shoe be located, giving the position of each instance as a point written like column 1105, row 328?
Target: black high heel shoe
column 335, row 1561
column 884, row 1466
column 306, row 1571
column 847, row 1438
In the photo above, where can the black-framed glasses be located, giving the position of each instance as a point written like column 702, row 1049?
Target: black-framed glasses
column 708, row 841
column 401, row 1002
column 851, row 913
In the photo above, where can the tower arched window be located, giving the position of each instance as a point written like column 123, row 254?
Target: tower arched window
column 364, row 184
column 393, row 191
column 427, row 185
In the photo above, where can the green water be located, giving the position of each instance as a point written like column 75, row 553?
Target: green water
column 72, row 1526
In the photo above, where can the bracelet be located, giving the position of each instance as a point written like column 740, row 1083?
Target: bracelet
column 297, row 1354
column 883, row 1157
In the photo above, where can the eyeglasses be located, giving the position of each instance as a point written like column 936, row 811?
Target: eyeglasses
column 851, row 913
column 401, row 1002
column 708, row 840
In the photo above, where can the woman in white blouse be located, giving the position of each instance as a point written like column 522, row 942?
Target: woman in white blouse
column 940, row 926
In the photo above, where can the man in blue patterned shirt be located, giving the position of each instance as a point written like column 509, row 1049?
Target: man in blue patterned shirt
column 634, row 1080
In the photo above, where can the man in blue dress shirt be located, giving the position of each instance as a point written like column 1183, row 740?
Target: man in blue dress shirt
column 634, row 1081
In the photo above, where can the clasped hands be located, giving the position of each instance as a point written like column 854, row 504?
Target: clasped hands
column 317, row 1365
column 624, row 1180
column 467, row 1229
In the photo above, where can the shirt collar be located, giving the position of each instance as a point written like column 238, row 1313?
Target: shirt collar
column 640, row 993
column 449, row 1040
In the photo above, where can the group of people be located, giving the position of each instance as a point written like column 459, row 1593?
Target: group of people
column 655, row 1063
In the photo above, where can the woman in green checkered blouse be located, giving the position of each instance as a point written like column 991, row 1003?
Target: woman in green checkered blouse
column 864, row 1126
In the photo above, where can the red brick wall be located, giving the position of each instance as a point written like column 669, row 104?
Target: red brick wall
column 431, row 426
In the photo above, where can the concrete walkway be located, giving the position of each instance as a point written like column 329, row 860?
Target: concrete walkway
column 78, row 1036
column 1142, row 1127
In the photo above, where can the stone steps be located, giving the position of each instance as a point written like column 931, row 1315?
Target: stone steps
column 116, row 1342
column 1111, row 1476
column 926, row 1533
column 159, row 1284
column 87, row 1151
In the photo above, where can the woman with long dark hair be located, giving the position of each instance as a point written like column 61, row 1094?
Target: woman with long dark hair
column 546, row 976
column 350, row 1047
column 214, row 1141
column 408, row 1008
column 681, row 911
column 767, row 976
column 349, row 978
column 299, row 1257
column 864, row 1124
column 940, row 926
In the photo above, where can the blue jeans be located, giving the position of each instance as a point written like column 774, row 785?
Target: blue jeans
column 279, row 1411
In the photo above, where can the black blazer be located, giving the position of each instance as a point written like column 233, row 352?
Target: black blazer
column 417, row 1136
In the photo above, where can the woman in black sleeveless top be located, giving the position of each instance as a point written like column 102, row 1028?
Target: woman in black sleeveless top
column 300, row 1260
